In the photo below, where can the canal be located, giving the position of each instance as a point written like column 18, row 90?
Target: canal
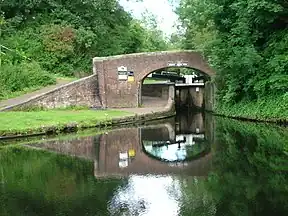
column 192, row 164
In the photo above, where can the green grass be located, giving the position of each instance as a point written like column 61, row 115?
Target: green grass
column 43, row 121
column 270, row 109
column 150, row 81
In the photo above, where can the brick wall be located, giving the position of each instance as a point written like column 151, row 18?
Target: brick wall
column 156, row 90
column 83, row 92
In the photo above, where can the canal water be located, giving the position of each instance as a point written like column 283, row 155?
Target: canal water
column 193, row 164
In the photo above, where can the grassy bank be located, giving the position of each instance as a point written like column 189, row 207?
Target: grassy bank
column 273, row 109
column 16, row 123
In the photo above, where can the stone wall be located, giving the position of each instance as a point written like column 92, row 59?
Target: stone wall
column 83, row 92
column 156, row 90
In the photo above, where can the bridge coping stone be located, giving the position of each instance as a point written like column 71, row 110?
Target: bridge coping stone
column 96, row 59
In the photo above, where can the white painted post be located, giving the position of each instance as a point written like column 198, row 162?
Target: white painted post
column 190, row 79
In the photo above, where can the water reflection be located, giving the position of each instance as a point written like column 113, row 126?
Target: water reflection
column 149, row 195
column 138, row 150
column 184, row 143
column 112, row 174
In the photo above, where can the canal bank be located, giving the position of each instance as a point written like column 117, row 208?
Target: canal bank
column 21, row 124
column 17, row 124
column 272, row 109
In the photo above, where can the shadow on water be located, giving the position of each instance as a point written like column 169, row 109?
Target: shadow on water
column 193, row 164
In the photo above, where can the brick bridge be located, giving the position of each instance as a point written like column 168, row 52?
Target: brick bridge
column 126, row 92
column 114, row 86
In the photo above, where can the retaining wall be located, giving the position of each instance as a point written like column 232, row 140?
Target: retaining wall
column 83, row 92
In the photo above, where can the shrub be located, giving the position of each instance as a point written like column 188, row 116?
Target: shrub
column 22, row 76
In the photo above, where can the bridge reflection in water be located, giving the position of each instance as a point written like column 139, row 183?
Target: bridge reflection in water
column 185, row 148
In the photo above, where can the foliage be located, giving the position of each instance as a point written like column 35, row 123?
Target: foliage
column 62, row 37
column 272, row 109
column 154, row 37
column 18, row 77
column 249, row 173
column 245, row 41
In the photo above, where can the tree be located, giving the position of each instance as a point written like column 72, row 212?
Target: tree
column 62, row 37
column 245, row 41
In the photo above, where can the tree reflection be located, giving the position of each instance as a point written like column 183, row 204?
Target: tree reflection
column 249, row 175
column 41, row 183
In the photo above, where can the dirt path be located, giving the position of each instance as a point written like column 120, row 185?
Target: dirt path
column 22, row 98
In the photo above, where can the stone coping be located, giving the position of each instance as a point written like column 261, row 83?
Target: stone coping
column 99, row 59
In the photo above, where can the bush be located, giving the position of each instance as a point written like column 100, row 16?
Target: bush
column 274, row 109
column 14, row 78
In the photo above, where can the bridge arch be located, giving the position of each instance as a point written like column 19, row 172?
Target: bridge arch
column 115, row 92
column 186, row 67
column 183, row 59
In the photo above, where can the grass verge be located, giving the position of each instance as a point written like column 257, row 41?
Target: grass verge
column 22, row 123
column 272, row 109
column 153, row 81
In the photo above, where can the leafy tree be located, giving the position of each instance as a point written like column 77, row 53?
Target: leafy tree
column 245, row 41
column 63, row 36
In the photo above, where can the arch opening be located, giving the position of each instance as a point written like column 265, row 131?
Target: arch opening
column 177, row 151
column 154, row 86
column 172, row 144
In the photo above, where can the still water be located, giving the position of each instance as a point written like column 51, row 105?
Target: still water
column 188, row 165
